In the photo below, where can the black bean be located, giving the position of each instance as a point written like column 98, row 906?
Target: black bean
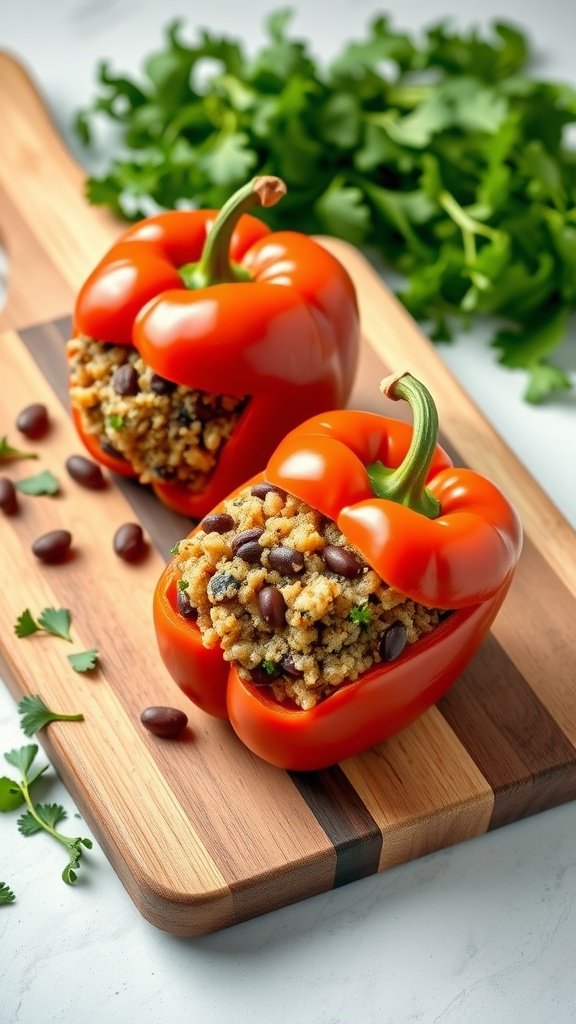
column 163, row 721
column 165, row 472
column 261, row 677
column 8, row 497
column 109, row 449
column 245, row 537
column 393, row 642
column 261, row 490
column 287, row 665
column 341, row 561
column 185, row 609
column 223, row 584
column 250, row 552
column 272, row 607
column 33, row 421
column 53, row 546
column 85, row 472
column 184, row 417
column 218, row 522
column 286, row 560
column 129, row 542
column 160, row 386
column 125, row 380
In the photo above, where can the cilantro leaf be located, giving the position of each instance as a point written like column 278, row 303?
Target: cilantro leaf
column 116, row 422
column 10, row 794
column 528, row 350
column 175, row 548
column 22, row 758
column 6, row 894
column 360, row 614
column 26, row 625
column 56, row 621
column 7, row 452
column 36, row 715
column 83, row 661
column 270, row 667
column 41, row 483
column 50, row 814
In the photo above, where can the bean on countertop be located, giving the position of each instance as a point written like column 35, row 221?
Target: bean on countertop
column 393, row 642
column 164, row 721
column 341, row 561
column 33, row 421
column 8, row 497
column 218, row 522
column 53, row 546
column 85, row 472
column 129, row 542
column 272, row 607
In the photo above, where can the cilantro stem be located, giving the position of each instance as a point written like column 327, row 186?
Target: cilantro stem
column 468, row 226
column 65, row 840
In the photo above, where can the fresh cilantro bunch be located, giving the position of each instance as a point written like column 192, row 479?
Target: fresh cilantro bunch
column 441, row 150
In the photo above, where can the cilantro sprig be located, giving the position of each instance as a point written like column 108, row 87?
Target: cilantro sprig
column 453, row 162
column 6, row 895
column 360, row 614
column 9, row 453
column 35, row 715
column 52, row 620
column 42, row 816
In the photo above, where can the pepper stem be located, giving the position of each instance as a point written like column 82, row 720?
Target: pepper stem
column 215, row 266
column 407, row 483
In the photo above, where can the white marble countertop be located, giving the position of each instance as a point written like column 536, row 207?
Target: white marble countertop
column 485, row 930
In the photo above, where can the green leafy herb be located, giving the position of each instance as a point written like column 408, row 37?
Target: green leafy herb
column 52, row 620
column 176, row 548
column 57, row 622
column 116, row 422
column 270, row 667
column 10, row 794
column 7, row 452
column 183, row 584
column 25, row 624
column 35, row 715
column 83, row 661
column 455, row 161
column 42, row 817
column 361, row 614
column 41, row 483
column 6, row 895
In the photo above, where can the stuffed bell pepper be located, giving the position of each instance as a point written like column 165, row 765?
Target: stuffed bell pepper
column 201, row 339
column 334, row 598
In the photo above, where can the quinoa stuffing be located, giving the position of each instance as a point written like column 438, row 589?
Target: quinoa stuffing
column 291, row 604
column 165, row 431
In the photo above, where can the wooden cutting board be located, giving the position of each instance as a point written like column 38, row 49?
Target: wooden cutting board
column 202, row 833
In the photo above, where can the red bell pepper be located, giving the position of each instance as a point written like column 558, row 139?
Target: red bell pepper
column 445, row 537
column 217, row 302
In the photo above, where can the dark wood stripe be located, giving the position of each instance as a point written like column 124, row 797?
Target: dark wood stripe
column 329, row 795
column 346, row 820
column 45, row 344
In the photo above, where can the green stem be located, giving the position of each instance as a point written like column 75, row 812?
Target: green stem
column 215, row 266
column 65, row 840
column 407, row 483
column 468, row 226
